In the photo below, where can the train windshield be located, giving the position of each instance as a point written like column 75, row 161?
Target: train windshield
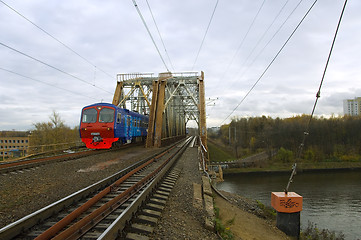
column 106, row 115
column 89, row 115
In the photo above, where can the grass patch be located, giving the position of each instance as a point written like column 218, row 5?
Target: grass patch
column 217, row 154
column 223, row 230
column 268, row 212
column 313, row 233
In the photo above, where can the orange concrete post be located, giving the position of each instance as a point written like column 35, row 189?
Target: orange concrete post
column 288, row 207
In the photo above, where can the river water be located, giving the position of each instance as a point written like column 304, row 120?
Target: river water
column 332, row 200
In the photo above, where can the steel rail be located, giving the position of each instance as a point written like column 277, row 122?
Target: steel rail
column 52, row 231
column 82, row 226
column 29, row 163
column 12, row 230
column 112, row 232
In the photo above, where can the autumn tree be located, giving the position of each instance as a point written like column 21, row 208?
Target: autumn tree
column 334, row 138
column 52, row 132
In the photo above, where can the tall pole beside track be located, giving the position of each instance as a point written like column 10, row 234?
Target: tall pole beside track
column 202, row 111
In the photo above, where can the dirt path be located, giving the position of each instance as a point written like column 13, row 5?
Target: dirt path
column 245, row 225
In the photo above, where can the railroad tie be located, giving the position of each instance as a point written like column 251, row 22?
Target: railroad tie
column 143, row 225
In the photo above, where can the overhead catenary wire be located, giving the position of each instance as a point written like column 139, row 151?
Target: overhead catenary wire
column 56, row 39
column 243, row 39
column 160, row 36
column 52, row 85
column 269, row 65
column 318, row 95
column 265, row 32
column 53, row 67
column 270, row 40
column 150, row 34
column 205, row 34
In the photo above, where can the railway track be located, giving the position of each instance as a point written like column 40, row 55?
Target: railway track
column 123, row 205
column 19, row 165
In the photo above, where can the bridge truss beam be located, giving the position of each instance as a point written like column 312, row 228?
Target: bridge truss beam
column 170, row 100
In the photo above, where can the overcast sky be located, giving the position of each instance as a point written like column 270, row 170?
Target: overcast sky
column 111, row 36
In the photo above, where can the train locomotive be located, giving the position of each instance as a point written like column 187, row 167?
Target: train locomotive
column 103, row 125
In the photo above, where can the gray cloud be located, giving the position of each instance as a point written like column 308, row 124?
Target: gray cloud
column 112, row 37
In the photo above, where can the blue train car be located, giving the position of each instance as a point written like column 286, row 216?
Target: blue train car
column 103, row 125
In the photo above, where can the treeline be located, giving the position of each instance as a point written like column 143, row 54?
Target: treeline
column 52, row 135
column 333, row 139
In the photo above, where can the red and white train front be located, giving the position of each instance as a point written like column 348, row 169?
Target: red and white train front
column 97, row 126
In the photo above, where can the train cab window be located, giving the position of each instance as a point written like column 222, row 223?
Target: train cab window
column 106, row 115
column 119, row 118
column 89, row 115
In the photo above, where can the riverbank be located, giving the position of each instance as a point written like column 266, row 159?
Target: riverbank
column 330, row 198
column 301, row 167
column 242, row 218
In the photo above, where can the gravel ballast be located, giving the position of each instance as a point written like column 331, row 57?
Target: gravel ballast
column 26, row 191
column 180, row 220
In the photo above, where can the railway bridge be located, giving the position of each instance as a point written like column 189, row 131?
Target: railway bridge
column 130, row 200
column 170, row 99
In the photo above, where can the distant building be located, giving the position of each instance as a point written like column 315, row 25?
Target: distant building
column 352, row 107
column 214, row 129
column 13, row 143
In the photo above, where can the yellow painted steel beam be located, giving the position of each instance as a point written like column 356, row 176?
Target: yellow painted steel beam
column 117, row 93
column 152, row 114
column 127, row 96
column 159, row 114
column 144, row 95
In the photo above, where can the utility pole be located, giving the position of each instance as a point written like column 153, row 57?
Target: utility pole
column 235, row 138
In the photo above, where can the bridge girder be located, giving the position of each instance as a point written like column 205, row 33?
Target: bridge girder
column 170, row 100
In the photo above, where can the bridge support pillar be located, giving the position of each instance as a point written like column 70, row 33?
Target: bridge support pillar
column 159, row 114
column 288, row 207
column 152, row 113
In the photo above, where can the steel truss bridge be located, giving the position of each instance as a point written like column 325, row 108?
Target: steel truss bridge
column 170, row 99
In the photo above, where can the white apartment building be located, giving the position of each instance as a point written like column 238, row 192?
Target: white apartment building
column 352, row 107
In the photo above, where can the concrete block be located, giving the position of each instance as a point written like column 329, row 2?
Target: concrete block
column 147, row 220
column 140, row 228
column 155, row 207
column 151, row 213
column 157, row 201
column 206, row 186
column 136, row 236
column 208, row 205
column 289, row 223
column 197, row 196
column 209, row 224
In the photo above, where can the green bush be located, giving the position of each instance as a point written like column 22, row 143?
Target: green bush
column 313, row 233
column 284, row 155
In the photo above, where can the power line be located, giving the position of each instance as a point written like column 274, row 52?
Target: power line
column 269, row 65
column 243, row 39
column 205, row 34
column 156, row 25
column 265, row 32
column 273, row 36
column 52, row 85
column 146, row 26
column 318, row 95
column 46, row 64
column 47, row 33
